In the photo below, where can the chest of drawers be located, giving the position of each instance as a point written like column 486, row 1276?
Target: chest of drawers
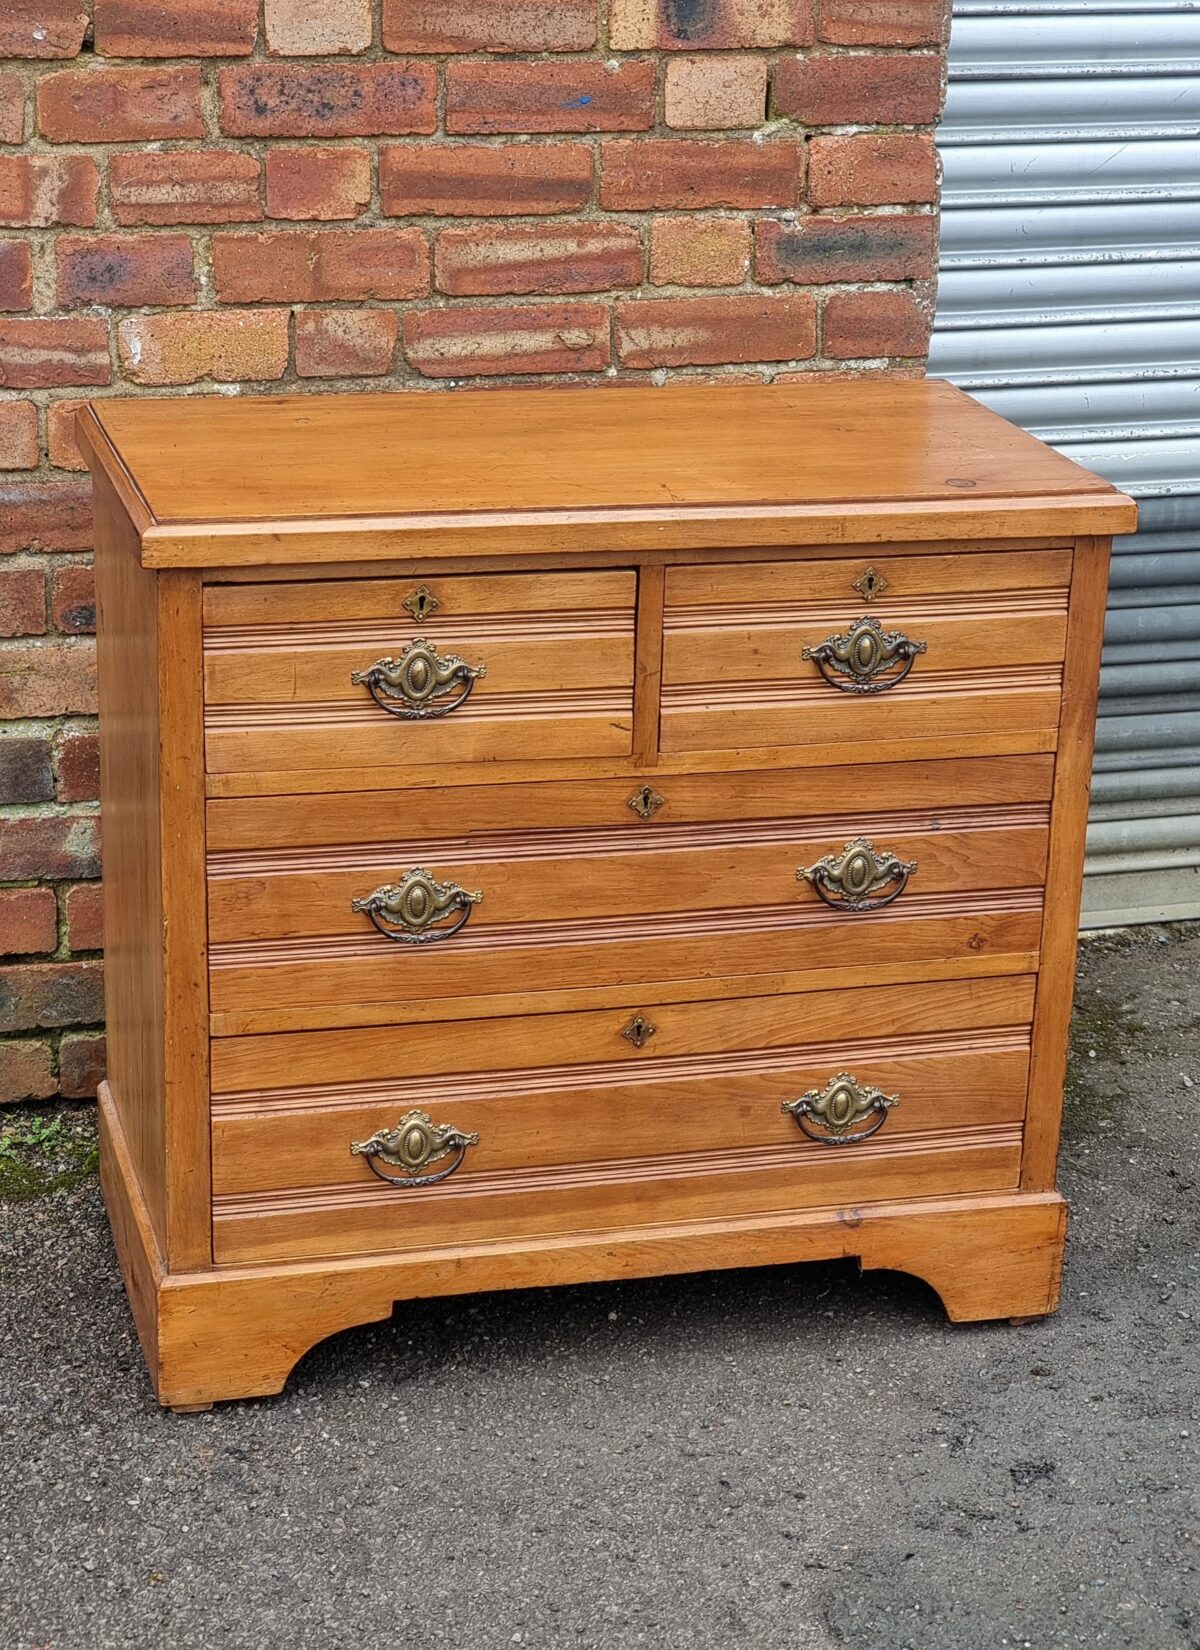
column 578, row 834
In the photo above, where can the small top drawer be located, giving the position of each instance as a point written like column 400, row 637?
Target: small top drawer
column 414, row 672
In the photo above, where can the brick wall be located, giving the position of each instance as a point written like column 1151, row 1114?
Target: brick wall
column 398, row 194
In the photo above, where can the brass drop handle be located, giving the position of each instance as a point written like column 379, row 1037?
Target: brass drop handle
column 829, row 1115
column 412, row 684
column 407, row 911
column 415, row 1142
column 855, row 879
column 866, row 658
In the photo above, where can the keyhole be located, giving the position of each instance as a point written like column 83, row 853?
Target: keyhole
column 421, row 604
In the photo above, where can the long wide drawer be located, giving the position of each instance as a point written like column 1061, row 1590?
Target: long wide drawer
column 578, row 1126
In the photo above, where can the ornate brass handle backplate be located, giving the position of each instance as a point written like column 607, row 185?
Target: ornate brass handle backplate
column 866, row 658
column 856, row 879
column 412, row 684
column 414, row 1143
column 407, row 910
column 829, row 1115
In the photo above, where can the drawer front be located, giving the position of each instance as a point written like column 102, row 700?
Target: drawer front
column 498, row 667
column 945, row 647
column 577, row 1126
column 770, row 887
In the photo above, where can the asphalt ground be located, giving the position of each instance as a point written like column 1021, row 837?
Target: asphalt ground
column 793, row 1457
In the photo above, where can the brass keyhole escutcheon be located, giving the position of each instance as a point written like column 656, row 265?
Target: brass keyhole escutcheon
column 421, row 603
column 645, row 802
column 639, row 1031
column 871, row 584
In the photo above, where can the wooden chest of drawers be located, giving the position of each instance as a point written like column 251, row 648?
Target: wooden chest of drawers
column 578, row 834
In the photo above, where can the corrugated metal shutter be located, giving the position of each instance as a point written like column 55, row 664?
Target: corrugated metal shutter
column 1070, row 302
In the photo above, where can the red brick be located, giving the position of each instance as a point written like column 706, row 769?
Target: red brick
column 489, row 25
column 228, row 347
column 26, row 772
column 345, row 343
column 40, row 190
column 697, row 25
column 328, row 100
column 22, row 601
column 318, row 183
column 73, row 600
column 77, row 755
column 42, row 995
column 550, row 97
column 42, row 28
column 60, row 434
column 860, row 89
column 872, row 169
column 656, row 173
column 816, row 251
column 862, row 325
column 12, row 108
column 47, row 678
column 176, row 28
column 80, row 1064
column 307, row 265
column 699, row 251
column 83, row 907
column 16, row 275
column 884, row 22
column 44, row 516
column 468, row 340
column 119, row 105
column 478, row 180
column 317, row 28
column 26, row 1070
column 713, row 93
column 124, row 271
column 51, row 846
column 18, row 436
column 40, row 353
column 28, row 921
column 539, row 258
column 184, row 186
column 680, row 332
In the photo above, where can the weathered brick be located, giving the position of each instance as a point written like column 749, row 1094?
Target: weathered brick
column 45, row 516
column 712, row 93
column 314, row 28
column 26, row 1070
column 318, row 183
column 657, row 173
column 26, row 772
column 119, row 105
column 124, row 271
column 228, row 347
column 12, row 108
column 22, row 601
column 539, row 258
column 52, row 846
column 41, row 352
column 328, row 100
column 521, row 338
column 697, row 25
column 489, row 25
column 345, row 343
column 860, row 89
column 73, row 600
column 184, row 186
column 478, row 180
column 77, row 759
column 16, row 275
column 40, row 190
column 42, row 28
column 35, row 996
column 28, row 921
column 872, row 169
column 308, row 265
column 60, row 434
column 18, row 435
column 678, row 332
column 817, row 250
column 83, row 908
column 884, row 22
column 47, row 678
column 550, row 97
column 176, row 28
column 80, row 1064
column 860, row 325
column 699, row 251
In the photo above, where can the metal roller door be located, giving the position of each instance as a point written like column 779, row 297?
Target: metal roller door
column 1070, row 302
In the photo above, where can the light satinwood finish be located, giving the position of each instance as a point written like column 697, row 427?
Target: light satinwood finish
column 640, row 572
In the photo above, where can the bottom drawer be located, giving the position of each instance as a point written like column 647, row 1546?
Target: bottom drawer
column 580, row 1128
